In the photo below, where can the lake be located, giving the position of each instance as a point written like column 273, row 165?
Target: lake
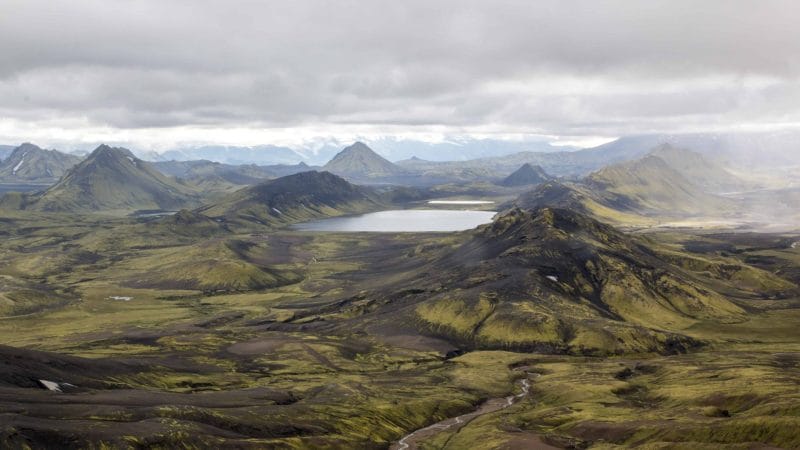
column 402, row 220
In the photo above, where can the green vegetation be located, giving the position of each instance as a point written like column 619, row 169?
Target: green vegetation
column 218, row 327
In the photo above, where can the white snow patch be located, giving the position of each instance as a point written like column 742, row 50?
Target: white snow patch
column 552, row 278
column 120, row 298
column 51, row 385
column 277, row 211
column 19, row 164
column 796, row 244
column 133, row 161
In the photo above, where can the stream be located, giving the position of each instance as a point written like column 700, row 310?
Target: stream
column 412, row 440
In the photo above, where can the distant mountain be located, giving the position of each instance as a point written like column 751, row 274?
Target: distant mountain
column 699, row 169
column 6, row 150
column 113, row 179
column 236, row 155
column 214, row 175
column 561, row 163
column 461, row 149
column 293, row 198
column 282, row 170
column 648, row 186
column 29, row 163
column 359, row 162
column 526, row 175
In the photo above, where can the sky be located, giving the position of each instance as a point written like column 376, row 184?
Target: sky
column 156, row 74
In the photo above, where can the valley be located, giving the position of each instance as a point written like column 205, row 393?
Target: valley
column 305, row 311
column 400, row 225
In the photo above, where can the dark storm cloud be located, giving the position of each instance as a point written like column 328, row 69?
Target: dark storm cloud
column 556, row 67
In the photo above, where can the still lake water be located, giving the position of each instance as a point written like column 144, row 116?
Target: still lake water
column 402, row 220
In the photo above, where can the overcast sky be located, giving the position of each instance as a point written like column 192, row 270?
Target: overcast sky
column 155, row 73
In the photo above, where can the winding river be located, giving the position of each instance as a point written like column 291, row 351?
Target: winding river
column 412, row 440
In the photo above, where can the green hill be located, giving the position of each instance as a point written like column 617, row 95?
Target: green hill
column 637, row 192
column 556, row 280
column 113, row 179
column 698, row 169
column 31, row 164
column 294, row 198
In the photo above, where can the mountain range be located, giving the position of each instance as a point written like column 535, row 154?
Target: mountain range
column 29, row 163
column 653, row 185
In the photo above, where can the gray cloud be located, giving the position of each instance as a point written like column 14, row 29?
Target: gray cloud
column 554, row 67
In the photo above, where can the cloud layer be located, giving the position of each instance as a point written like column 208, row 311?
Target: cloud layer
column 150, row 68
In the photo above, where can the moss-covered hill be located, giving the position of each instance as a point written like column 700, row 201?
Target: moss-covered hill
column 113, row 179
column 293, row 198
column 558, row 281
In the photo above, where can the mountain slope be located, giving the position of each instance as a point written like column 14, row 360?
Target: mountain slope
column 359, row 162
column 700, row 170
column 526, row 175
column 293, row 198
column 651, row 185
column 212, row 176
column 29, row 163
column 637, row 191
column 112, row 179
column 557, row 281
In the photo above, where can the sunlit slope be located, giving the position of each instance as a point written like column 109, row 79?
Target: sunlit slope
column 643, row 191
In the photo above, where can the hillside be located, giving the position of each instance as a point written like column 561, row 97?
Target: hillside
column 651, row 185
column 211, row 177
column 31, row 164
column 700, row 170
column 112, row 179
column 359, row 162
column 293, row 198
column 554, row 280
column 526, row 175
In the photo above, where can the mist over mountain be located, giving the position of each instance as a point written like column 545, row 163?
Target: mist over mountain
column 400, row 225
column 6, row 150
column 260, row 154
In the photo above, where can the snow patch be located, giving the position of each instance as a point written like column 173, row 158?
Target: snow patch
column 277, row 211
column 133, row 161
column 19, row 164
column 51, row 385
column 552, row 278
column 795, row 244
column 120, row 298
